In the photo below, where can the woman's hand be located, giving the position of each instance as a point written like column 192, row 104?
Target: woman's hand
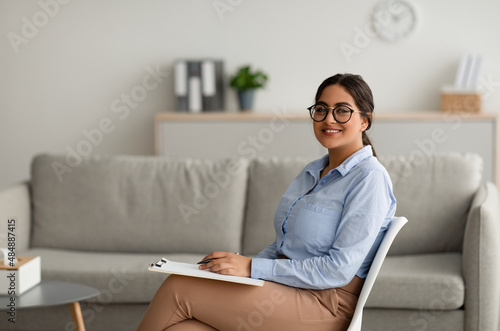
column 228, row 264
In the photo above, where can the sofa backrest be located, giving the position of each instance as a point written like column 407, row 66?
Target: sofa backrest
column 433, row 192
column 151, row 204
column 268, row 179
column 138, row 204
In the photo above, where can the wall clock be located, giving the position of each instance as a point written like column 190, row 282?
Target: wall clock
column 394, row 20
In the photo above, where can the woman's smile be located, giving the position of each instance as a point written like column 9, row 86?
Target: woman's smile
column 331, row 131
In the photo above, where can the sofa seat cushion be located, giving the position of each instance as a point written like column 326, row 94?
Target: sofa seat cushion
column 405, row 282
column 138, row 204
column 424, row 282
column 120, row 278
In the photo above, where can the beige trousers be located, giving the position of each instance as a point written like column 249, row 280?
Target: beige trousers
column 188, row 303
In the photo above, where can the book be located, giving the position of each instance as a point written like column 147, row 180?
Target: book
column 462, row 75
column 475, row 69
column 192, row 270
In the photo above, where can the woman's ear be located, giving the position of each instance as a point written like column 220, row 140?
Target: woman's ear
column 364, row 123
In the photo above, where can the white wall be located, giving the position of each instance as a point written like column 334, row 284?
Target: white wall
column 69, row 72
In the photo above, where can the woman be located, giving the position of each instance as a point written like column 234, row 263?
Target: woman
column 328, row 224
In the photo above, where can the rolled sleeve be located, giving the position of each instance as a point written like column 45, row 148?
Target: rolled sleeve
column 262, row 268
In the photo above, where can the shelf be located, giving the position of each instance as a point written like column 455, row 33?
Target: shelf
column 291, row 134
column 231, row 116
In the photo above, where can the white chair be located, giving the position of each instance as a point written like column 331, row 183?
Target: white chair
column 394, row 226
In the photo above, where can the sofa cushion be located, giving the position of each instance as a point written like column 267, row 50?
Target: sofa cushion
column 119, row 277
column 424, row 282
column 413, row 320
column 268, row 179
column 434, row 193
column 138, row 204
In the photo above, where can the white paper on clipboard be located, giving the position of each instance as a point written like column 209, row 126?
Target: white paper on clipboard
column 189, row 269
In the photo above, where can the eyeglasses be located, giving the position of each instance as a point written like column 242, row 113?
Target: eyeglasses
column 341, row 114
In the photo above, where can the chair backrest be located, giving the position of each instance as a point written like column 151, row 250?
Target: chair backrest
column 394, row 226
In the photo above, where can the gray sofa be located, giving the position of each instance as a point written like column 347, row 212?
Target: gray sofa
column 101, row 221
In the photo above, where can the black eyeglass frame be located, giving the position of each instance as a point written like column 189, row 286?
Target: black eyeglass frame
column 333, row 112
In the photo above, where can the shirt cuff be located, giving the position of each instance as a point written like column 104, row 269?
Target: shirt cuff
column 262, row 268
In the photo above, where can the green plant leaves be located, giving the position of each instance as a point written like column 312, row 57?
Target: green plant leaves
column 245, row 79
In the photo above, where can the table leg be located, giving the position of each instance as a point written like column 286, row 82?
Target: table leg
column 76, row 312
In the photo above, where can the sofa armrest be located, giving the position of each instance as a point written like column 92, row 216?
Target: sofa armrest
column 15, row 202
column 481, row 261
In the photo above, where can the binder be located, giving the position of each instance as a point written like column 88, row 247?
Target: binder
column 181, row 86
column 219, row 84
column 194, row 86
column 191, row 270
column 209, row 87
column 212, row 85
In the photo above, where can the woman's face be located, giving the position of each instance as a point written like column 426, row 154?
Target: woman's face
column 345, row 137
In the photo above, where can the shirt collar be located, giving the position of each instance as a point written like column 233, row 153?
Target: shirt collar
column 346, row 166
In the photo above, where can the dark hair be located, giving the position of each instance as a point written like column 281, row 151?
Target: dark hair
column 361, row 93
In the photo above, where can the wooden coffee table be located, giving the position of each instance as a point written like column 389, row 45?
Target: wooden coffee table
column 54, row 293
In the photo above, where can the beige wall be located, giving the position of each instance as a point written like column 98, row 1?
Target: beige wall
column 72, row 73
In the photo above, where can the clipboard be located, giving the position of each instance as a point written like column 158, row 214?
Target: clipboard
column 189, row 269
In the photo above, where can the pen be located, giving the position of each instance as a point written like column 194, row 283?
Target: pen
column 206, row 261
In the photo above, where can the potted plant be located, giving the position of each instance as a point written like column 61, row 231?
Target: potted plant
column 245, row 82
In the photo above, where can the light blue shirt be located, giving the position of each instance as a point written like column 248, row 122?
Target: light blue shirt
column 331, row 234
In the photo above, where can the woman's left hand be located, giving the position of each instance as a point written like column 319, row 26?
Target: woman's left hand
column 228, row 264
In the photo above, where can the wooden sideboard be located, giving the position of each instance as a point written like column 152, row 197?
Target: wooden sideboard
column 224, row 134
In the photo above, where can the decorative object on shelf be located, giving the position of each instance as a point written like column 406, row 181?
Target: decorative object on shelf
column 246, row 82
column 456, row 100
column 464, row 95
column 199, row 85
column 395, row 20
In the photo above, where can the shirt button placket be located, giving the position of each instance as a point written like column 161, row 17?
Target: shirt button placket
column 283, row 226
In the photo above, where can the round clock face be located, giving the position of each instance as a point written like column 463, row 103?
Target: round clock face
column 394, row 20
